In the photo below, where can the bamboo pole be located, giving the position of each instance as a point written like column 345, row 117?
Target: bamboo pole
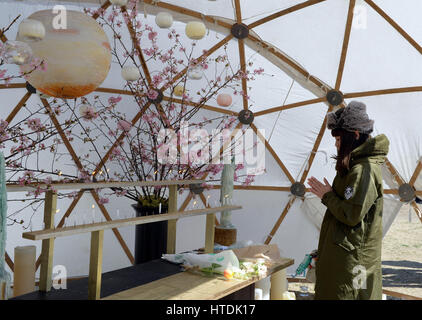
column 119, row 139
column 256, row 188
column 345, row 44
column 284, row 12
column 95, row 265
column 290, row 106
column 417, row 210
column 204, row 201
column 50, row 204
column 105, row 5
column 188, row 12
column 395, row 25
column 394, row 172
column 286, row 60
column 315, row 148
column 197, row 105
column 19, row 106
column 382, row 92
column 115, row 231
column 62, row 134
column 115, row 91
column 9, row 261
column 241, row 45
column 271, row 150
column 280, row 220
column 416, row 173
column 13, row 86
column 204, row 55
column 132, row 33
column 238, row 12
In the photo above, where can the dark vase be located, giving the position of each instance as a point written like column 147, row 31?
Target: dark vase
column 150, row 238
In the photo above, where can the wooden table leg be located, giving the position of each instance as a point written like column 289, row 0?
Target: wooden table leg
column 171, row 224
column 209, row 233
column 47, row 251
column 95, row 265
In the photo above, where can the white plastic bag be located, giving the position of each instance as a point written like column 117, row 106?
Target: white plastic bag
column 218, row 262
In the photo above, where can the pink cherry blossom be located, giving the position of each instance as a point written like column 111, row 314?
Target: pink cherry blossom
column 124, row 125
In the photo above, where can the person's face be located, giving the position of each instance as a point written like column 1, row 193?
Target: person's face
column 338, row 143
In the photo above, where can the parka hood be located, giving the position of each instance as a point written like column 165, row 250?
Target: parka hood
column 375, row 149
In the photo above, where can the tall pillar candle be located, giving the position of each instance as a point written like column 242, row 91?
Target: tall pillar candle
column 278, row 285
column 24, row 271
column 264, row 285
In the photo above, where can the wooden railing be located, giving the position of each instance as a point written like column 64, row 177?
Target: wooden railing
column 49, row 233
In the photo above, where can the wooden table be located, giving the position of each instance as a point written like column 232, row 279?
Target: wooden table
column 191, row 286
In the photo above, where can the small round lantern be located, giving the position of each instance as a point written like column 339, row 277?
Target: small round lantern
column 130, row 73
column 195, row 30
column 120, row 3
column 195, row 73
column 224, row 100
column 31, row 30
column 164, row 20
column 17, row 52
column 179, row 91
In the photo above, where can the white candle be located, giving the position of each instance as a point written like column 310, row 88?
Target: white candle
column 278, row 285
column 258, row 294
column 24, row 271
column 159, row 208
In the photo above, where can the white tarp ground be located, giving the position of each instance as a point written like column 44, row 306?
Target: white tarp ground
column 378, row 58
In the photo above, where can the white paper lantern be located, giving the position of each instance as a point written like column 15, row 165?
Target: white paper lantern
column 178, row 91
column 130, row 73
column 31, row 30
column 16, row 52
column 195, row 30
column 224, row 100
column 164, row 20
column 195, row 73
column 119, row 2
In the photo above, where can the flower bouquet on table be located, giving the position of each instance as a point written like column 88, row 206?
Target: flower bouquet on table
column 224, row 263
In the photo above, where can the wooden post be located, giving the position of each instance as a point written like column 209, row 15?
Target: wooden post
column 47, row 250
column 95, row 265
column 3, row 291
column 171, row 224
column 209, row 233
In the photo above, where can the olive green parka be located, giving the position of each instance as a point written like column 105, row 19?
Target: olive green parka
column 349, row 248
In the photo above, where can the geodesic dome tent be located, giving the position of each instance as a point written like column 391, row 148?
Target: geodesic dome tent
column 317, row 56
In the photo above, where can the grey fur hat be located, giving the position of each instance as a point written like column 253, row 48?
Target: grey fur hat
column 352, row 117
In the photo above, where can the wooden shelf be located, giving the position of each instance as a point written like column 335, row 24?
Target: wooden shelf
column 69, row 231
column 98, row 185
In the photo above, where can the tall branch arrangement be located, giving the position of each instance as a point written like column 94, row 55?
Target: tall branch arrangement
column 126, row 138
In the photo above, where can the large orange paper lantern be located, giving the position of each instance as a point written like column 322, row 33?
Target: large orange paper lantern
column 77, row 55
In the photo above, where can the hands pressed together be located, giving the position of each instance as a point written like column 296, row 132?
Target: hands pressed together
column 318, row 188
